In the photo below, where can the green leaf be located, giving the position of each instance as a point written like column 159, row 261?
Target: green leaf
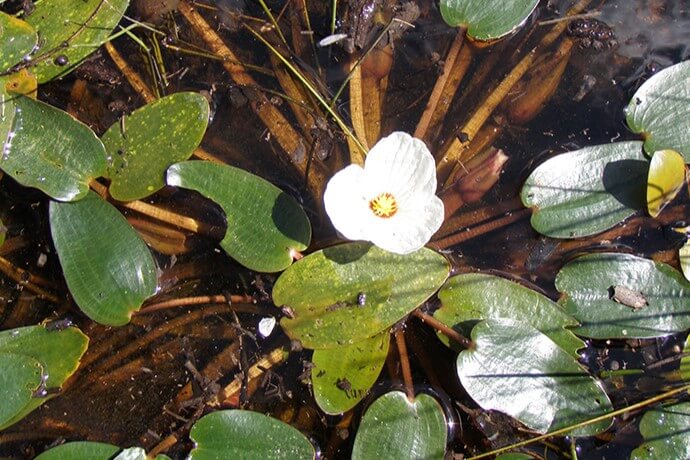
column 586, row 191
column 325, row 289
column 242, row 434
column 48, row 149
column 342, row 376
column 684, row 257
column 515, row 369
column 81, row 450
column 394, row 427
column 684, row 369
column 142, row 146
column 666, row 431
column 657, row 108
column 487, row 19
column 81, row 25
column 265, row 225
column 107, row 266
column 665, row 179
column 20, row 376
column 17, row 39
column 58, row 352
column 476, row 296
column 589, row 283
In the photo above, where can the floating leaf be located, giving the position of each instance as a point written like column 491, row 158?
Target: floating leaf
column 107, row 266
column 48, row 149
column 394, row 427
column 20, row 376
column 17, row 39
column 589, row 286
column 684, row 256
column 666, row 431
column 81, row 450
column 586, row 191
column 342, row 376
column 487, row 19
column 658, row 107
column 325, row 291
column 665, row 179
column 684, row 369
column 71, row 29
column 145, row 143
column 265, row 225
column 515, row 369
column 57, row 352
column 242, row 434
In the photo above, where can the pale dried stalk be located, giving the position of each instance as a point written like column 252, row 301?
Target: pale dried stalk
column 357, row 113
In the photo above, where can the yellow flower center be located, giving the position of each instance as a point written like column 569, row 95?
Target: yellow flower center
column 384, row 205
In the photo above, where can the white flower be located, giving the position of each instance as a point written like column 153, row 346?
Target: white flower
column 391, row 201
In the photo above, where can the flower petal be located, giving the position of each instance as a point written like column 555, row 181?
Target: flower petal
column 345, row 204
column 400, row 164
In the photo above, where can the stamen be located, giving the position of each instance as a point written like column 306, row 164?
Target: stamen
column 384, row 205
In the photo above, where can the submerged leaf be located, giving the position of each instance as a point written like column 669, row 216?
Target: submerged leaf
column 666, row 431
column 515, row 369
column 143, row 144
column 665, row 179
column 658, row 108
column 265, row 225
column 342, row 376
column 243, row 434
column 394, row 427
column 70, row 30
column 657, row 304
column 476, row 296
column 107, row 266
column 17, row 39
column 586, row 191
column 487, row 19
column 325, row 291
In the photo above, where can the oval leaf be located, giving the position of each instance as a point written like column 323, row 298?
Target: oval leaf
column 48, row 149
column 82, row 25
column 17, row 39
column 515, row 369
column 107, row 266
column 586, row 191
column 20, row 376
column 624, row 296
column 665, row 179
column 325, row 292
column 657, row 106
column 477, row 296
column 142, row 146
column 342, row 376
column 394, row 427
column 242, row 434
column 666, row 431
column 487, row 19
column 265, row 225
column 81, row 450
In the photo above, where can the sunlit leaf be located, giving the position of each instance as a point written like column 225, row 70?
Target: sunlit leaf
column 326, row 289
column 242, row 434
column 487, row 19
column 17, row 39
column 265, row 225
column 142, row 146
column 515, row 369
column 20, row 376
column 473, row 297
column 684, row 368
column 58, row 353
column 71, row 29
column 342, row 376
column 659, row 108
column 48, row 149
column 657, row 300
column 665, row 179
column 684, row 256
column 587, row 191
column 107, row 266
column 666, row 431
column 394, row 427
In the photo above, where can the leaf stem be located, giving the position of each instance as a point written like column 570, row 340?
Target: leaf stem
column 404, row 363
column 443, row 329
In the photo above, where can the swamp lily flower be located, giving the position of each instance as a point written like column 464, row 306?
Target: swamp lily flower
column 391, row 201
